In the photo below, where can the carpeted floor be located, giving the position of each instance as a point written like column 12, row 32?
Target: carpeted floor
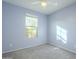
column 40, row 52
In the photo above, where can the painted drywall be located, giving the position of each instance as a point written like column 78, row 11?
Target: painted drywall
column 14, row 37
column 65, row 18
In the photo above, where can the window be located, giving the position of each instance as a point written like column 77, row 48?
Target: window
column 31, row 24
column 61, row 34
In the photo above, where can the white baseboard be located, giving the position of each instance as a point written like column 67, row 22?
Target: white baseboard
column 22, row 48
column 39, row 45
column 63, row 48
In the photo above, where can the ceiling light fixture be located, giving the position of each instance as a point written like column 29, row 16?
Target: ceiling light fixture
column 43, row 3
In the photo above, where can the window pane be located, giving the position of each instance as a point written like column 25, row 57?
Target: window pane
column 31, row 21
column 31, row 31
column 31, row 26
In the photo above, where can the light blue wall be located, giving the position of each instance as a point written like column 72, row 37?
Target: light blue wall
column 14, row 28
column 14, row 33
column 65, row 18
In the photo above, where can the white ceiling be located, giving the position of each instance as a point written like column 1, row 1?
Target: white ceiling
column 36, row 7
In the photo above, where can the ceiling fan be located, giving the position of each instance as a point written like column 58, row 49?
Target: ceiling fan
column 43, row 3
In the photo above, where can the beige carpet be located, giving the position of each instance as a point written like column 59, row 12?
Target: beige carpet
column 40, row 52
